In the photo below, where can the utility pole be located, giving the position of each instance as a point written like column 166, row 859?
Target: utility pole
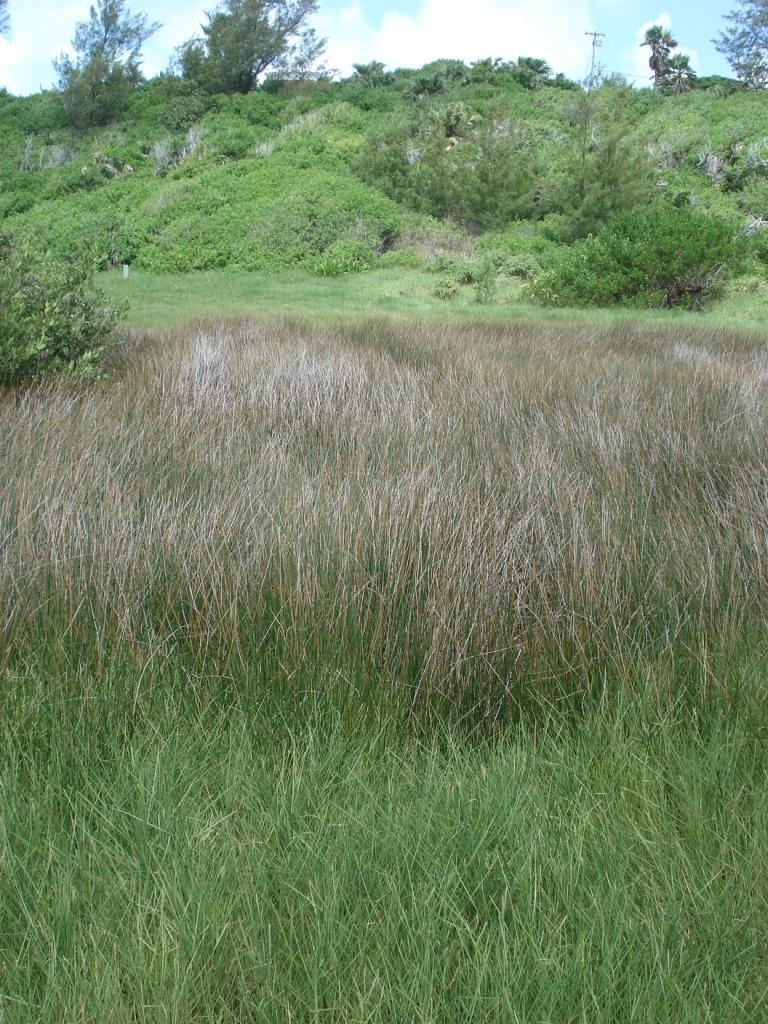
column 597, row 42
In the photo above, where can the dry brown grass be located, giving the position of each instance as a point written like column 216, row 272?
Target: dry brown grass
column 478, row 513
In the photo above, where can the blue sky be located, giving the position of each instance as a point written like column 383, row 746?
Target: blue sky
column 402, row 32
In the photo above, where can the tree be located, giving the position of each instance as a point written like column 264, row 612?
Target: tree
column 373, row 75
column 303, row 63
column 606, row 172
column 661, row 45
column 107, row 68
column 679, row 74
column 531, row 72
column 745, row 42
column 4, row 19
column 243, row 39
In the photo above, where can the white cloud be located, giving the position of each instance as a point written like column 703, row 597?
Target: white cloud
column 42, row 30
column 36, row 37
column 552, row 29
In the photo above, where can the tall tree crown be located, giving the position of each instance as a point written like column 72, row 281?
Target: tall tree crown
column 113, row 33
column 744, row 43
column 661, row 43
column 244, row 39
column 107, row 66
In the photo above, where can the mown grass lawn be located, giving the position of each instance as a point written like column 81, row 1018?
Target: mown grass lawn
column 171, row 299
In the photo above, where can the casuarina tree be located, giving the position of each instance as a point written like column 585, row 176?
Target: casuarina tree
column 242, row 40
column 107, row 67
column 744, row 43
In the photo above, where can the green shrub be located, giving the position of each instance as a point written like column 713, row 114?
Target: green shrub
column 660, row 255
column 400, row 259
column 346, row 256
column 522, row 264
column 444, row 264
column 51, row 319
column 485, row 282
column 758, row 245
column 446, row 288
column 243, row 215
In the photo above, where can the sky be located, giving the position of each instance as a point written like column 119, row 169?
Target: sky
column 402, row 33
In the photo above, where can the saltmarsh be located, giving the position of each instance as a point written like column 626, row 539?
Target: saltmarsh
column 387, row 672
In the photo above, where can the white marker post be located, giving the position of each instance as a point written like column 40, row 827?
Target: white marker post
column 125, row 271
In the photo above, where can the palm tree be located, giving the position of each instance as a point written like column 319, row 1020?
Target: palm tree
column 661, row 43
column 679, row 73
column 4, row 19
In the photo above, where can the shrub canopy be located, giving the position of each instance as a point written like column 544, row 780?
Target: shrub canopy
column 659, row 255
column 51, row 318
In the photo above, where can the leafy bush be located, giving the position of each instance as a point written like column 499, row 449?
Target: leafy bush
column 274, row 184
column 660, row 255
column 446, row 288
column 243, row 215
column 485, row 282
column 456, row 165
column 404, row 258
column 51, row 319
column 758, row 245
column 521, row 264
column 346, row 256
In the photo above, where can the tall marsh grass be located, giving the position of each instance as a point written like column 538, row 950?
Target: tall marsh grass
column 472, row 518
column 256, row 590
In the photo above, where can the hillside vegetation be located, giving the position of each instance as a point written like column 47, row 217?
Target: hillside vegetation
column 337, row 176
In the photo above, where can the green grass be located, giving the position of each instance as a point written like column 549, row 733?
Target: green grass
column 182, row 865
column 387, row 672
column 172, row 299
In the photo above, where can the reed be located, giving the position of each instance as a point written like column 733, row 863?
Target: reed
column 473, row 520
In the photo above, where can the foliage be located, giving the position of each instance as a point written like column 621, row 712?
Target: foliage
column 447, row 287
column 660, row 255
column 4, row 17
column 188, row 180
column 605, row 172
column 200, row 213
column 452, row 163
column 244, row 39
column 524, row 264
column 660, row 42
column 745, row 42
column 51, row 318
column 485, row 282
column 346, row 256
column 373, row 75
column 679, row 75
column 107, row 68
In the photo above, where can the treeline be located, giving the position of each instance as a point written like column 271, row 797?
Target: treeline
column 245, row 45
column 495, row 168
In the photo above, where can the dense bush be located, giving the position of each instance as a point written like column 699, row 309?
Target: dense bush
column 659, row 255
column 272, row 179
column 51, row 318
column 261, row 214
column 347, row 256
column 453, row 163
